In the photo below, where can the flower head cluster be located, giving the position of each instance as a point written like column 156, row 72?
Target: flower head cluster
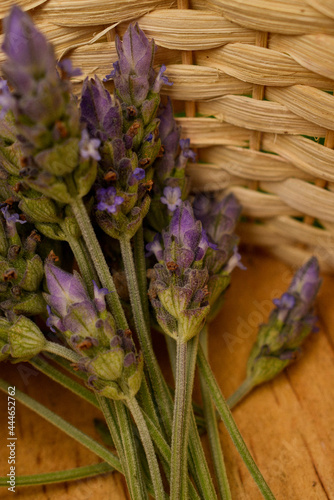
column 133, row 73
column 178, row 290
column 170, row 184
column 279, row 340
column 128, row 129
column 46, row 115
column 219, row 219
column 21, row 269
column 109, row 356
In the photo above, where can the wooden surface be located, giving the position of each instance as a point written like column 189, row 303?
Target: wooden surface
column 288, row 423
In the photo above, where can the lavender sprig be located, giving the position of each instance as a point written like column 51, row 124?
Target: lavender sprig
column 46, row 115
column 108, row 355
column 278, row 342
column 219, row 219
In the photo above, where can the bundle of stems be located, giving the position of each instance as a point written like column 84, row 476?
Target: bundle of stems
column 108, row 177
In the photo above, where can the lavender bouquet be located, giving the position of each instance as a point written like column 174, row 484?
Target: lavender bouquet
column 106, row 175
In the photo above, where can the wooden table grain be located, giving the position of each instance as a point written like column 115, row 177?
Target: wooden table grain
column 288, row 423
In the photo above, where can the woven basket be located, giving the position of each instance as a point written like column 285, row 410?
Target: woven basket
column 255, row 79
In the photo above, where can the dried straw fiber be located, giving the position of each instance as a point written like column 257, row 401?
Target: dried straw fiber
column 253, row 82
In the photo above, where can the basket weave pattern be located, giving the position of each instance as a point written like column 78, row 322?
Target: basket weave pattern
column 255, row 78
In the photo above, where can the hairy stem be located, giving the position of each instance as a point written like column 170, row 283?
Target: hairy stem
column 136, row 484
column 179, row 438
column 158, row 382
column 86, row 267
column 140, row 263
column 231, row 426
column 212, row 429
column 100, row 263
column 245, row 388
column 62, row 351
column 148, row 447
column 60, row 476
column 198, row 464
column 66, row 427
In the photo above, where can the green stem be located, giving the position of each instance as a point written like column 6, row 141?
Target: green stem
column 245, row 388
column 145, row 399
column 62, row 351
column 59, row 476
column 136, row 485
column 100, row 263
column 106, row 406
column 198, row 464
column 64, row 426
column 158, row 382
column 231, row 426
column 139, row 254
column 87, row 270
column 179, row 441
column 62, row 379
column 148, row 447
column 165, row 452
column 212, row 429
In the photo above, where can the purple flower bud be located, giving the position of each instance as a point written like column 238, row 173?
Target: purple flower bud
column 155, row 248
column 184, row 228
column 113, row 72
column 279, row 341
column 137, row 175
column 99, row 294
column 64, row 289
column 135, row 52
column 67, row 68
column 129, row 359
column 108, row 200
column 219, row 219
column 186, row 151
column 171, row 198
column 284, row 305
column 53, row 321
column 89, row 148
column 30, row 56
column 133, row 73
column 306, row 281
column 102, row 117
column 184, row 242
column 161, row 80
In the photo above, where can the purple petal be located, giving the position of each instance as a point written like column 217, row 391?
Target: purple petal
column 89, row 148
column 64, row 288
column 99, row 294
column 66, row 66
column 161, row 80
column 155, row 248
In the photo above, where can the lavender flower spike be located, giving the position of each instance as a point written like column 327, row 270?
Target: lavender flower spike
column 178, row 290
column 292, row 320
column 219, row 219
column 109, row 357
column 98, row 111
column 30, row 56
column 133, row 73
